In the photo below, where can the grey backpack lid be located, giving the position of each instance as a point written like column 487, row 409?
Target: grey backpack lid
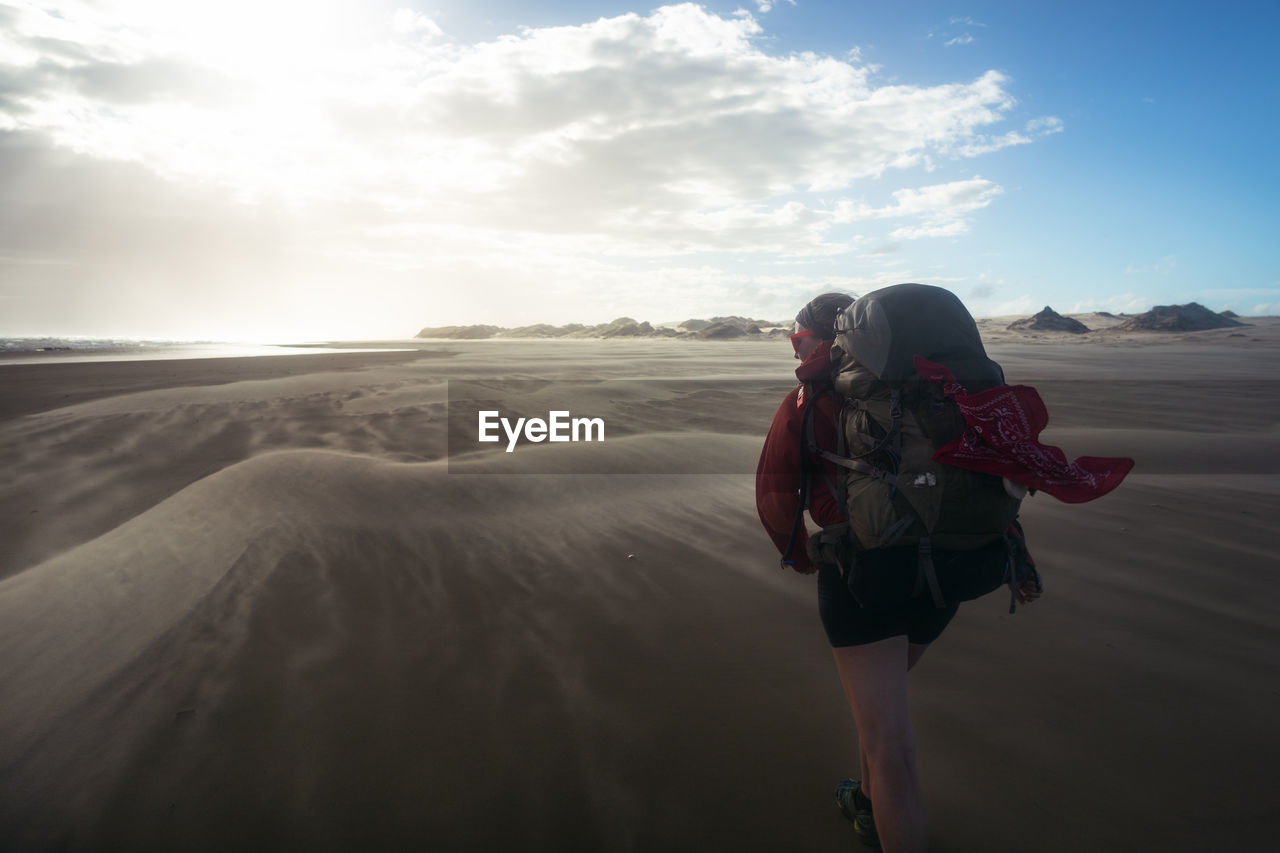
column 885, row 329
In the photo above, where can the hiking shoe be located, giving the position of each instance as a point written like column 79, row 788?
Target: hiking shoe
column 857, row 808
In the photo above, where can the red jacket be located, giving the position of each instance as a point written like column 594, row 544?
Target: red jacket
column 779, row 475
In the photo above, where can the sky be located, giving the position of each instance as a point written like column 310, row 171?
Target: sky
column 278, row 170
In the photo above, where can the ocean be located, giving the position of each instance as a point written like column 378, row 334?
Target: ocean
column 24, row 350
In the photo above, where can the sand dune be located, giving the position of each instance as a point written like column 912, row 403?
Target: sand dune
column 277, row 613
column 304, row 634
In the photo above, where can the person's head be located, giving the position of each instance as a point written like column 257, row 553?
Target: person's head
column 816, row 322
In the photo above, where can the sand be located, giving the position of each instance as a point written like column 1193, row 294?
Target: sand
column 291, row 604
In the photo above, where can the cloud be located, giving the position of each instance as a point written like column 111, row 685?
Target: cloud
column 1010, row 307
column 406, row 155
column 407, row 21
column 1249, row 301
column 963, row 38
column 941, row 207
column 1044, row 125
column 1036, row 128
column 950, row 228
column 679, row 107
column 1164, row 266
column 1123, row 303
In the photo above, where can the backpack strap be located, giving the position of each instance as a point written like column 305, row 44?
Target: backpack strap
column 808, row 449
column 837, row 537
column 894, row 533
column 1011, row 572
column 926, row 573
column 871, row 441
column 815, row 450
column 1021, row 566
column 895, row 428
column 858, row 465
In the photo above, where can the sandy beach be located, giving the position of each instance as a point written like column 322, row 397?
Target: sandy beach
column 291, row 603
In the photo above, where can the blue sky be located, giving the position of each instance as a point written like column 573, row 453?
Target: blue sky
column 251, row 170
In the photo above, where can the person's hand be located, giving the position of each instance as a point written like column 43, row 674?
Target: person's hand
column 1029, row 589
column 801, row 566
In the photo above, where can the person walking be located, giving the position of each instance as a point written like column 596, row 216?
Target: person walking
column 876, row 645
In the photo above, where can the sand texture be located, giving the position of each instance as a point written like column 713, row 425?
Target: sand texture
column 288, row 604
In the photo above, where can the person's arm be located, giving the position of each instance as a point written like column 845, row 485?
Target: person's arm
column 779, row 478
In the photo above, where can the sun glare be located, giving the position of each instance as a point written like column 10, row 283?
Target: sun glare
column 257, row 117
column 278, row 39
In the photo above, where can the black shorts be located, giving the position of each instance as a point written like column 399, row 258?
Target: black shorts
column 887, row 605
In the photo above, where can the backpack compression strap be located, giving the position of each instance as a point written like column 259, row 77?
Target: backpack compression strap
column 809, row 447
column 858, row 465
column 891, row 444
column 812, row 440
column 926, row 573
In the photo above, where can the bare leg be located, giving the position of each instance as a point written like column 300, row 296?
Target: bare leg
column 875, row 683
column 865, row 768
column 915, row 651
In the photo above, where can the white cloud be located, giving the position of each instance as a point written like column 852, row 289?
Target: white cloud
column 1044, row 125
column 1036, row 128
column 1164, row 266
column 941, row 207
column 1009, row 307
column 1248, row 301
column 679, row 107
column 950, row 228
column 407, row 21
column 1121, row 303
column 386, row 144
column 947, row 201
column 963, row 38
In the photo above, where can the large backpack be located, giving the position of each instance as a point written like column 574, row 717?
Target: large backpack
column 891, row 422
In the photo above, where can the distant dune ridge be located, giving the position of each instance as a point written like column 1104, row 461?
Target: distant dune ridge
column 717, row 328
column 1191, row 317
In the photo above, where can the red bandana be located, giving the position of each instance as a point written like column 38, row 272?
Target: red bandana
column 1002, row 438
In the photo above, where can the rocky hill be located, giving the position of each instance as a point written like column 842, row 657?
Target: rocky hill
column 1048, row 320
column 1192, row 317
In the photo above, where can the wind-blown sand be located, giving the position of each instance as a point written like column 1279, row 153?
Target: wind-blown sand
column 277, row 612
